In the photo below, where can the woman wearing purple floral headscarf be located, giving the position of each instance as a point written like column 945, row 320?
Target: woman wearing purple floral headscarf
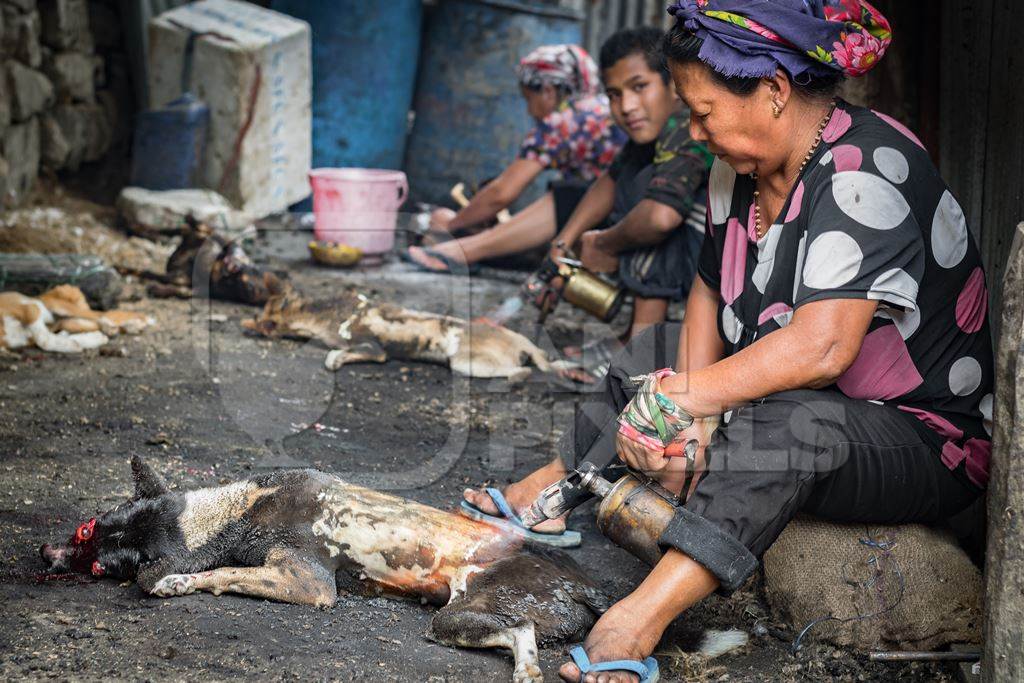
column 838, row 324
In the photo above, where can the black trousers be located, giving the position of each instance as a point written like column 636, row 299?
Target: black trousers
column 816, row 451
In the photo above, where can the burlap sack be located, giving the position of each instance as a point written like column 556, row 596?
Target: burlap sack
column 915, row 588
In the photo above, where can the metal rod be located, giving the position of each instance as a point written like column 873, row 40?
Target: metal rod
column 898, row 656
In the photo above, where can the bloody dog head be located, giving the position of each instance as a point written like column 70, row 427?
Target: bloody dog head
column 117, row 542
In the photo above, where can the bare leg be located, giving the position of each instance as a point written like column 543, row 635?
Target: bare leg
column 531, row 227
column 284, row 577
column 633, row 626
column 646, row 312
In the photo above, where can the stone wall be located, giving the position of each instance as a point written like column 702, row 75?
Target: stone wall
column 62, row 76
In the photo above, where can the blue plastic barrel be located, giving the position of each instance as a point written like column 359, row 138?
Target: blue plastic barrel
column 167, row 146
column 470, row 115
column 364, row 68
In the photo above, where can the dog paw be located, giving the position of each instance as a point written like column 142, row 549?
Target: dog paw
column 174, row 584
column 528, row 673
column 90, row 340
column 335, row 359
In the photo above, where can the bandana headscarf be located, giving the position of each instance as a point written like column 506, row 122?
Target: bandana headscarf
column 562, row 66
column 752, row 38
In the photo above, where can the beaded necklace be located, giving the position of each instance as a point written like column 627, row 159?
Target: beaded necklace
column 758, row 229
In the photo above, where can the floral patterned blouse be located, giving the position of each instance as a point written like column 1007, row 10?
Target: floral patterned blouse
column 870, row 218
column 579, row 139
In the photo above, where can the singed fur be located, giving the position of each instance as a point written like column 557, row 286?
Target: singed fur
column 292, row 535
column 357, row 330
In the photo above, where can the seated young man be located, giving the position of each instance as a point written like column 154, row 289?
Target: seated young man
column 652, row 196
column 649, row 207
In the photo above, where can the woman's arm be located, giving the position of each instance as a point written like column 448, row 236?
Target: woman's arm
column 700, row 345
column 497, row 194
column 820, row 343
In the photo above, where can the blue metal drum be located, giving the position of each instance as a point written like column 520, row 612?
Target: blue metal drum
column 364, row 67
column 168, row 145
column 470, row 116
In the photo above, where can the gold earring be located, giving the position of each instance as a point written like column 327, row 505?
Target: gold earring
column 776, row 110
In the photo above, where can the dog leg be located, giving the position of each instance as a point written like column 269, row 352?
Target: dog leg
column 524, row 651
column 285, row 577
column 77, row 325
column 367, row 352
column 460, row 625
column 63, row 343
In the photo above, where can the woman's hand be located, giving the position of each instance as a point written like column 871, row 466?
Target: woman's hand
column 594, row 257
column 440, row 218
column 671, row 471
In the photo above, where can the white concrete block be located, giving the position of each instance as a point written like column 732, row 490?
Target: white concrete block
column 256, row 53
column 152, row 211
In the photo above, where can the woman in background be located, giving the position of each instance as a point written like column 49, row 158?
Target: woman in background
column 574, row 135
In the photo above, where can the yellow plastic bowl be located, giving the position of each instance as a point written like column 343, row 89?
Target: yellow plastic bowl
column 335, row 254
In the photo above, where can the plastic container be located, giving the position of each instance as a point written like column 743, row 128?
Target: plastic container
column 470, row 115
column 357, row 206
column 251, row 66
column 364, row 70
column 168, row 145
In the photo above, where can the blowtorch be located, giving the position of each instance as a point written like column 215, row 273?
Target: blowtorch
column 633, row 511
column 578, row 286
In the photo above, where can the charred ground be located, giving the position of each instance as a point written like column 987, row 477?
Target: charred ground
column 207, row 404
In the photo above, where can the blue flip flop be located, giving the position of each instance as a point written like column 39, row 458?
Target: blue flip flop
column 647, row 670
column 452, row 267
column 510, row 520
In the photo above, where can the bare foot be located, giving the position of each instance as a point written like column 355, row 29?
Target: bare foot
column 521, row 495
column 420, row 256
column 451, row 250
column 619, row 634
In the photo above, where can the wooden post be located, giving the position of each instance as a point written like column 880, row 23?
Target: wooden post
column 1003, row 659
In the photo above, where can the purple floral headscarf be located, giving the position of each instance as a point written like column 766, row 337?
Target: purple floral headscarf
column 753, row 38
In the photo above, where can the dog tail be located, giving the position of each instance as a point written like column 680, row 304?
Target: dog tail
column 717, row 643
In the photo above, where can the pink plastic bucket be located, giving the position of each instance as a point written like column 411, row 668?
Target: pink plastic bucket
column 357, row 206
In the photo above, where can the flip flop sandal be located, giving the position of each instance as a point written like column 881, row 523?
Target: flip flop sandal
column 452, row 267
column 647, row 670
column 510, row 520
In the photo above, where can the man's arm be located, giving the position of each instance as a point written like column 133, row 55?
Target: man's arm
column 497, row 194
column 648, row 223
column 593, row 208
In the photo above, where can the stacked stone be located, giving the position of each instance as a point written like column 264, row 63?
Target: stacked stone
column 50, row 114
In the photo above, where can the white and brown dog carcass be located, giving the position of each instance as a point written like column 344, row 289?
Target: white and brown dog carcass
column 357, row 330
column 60, row 320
